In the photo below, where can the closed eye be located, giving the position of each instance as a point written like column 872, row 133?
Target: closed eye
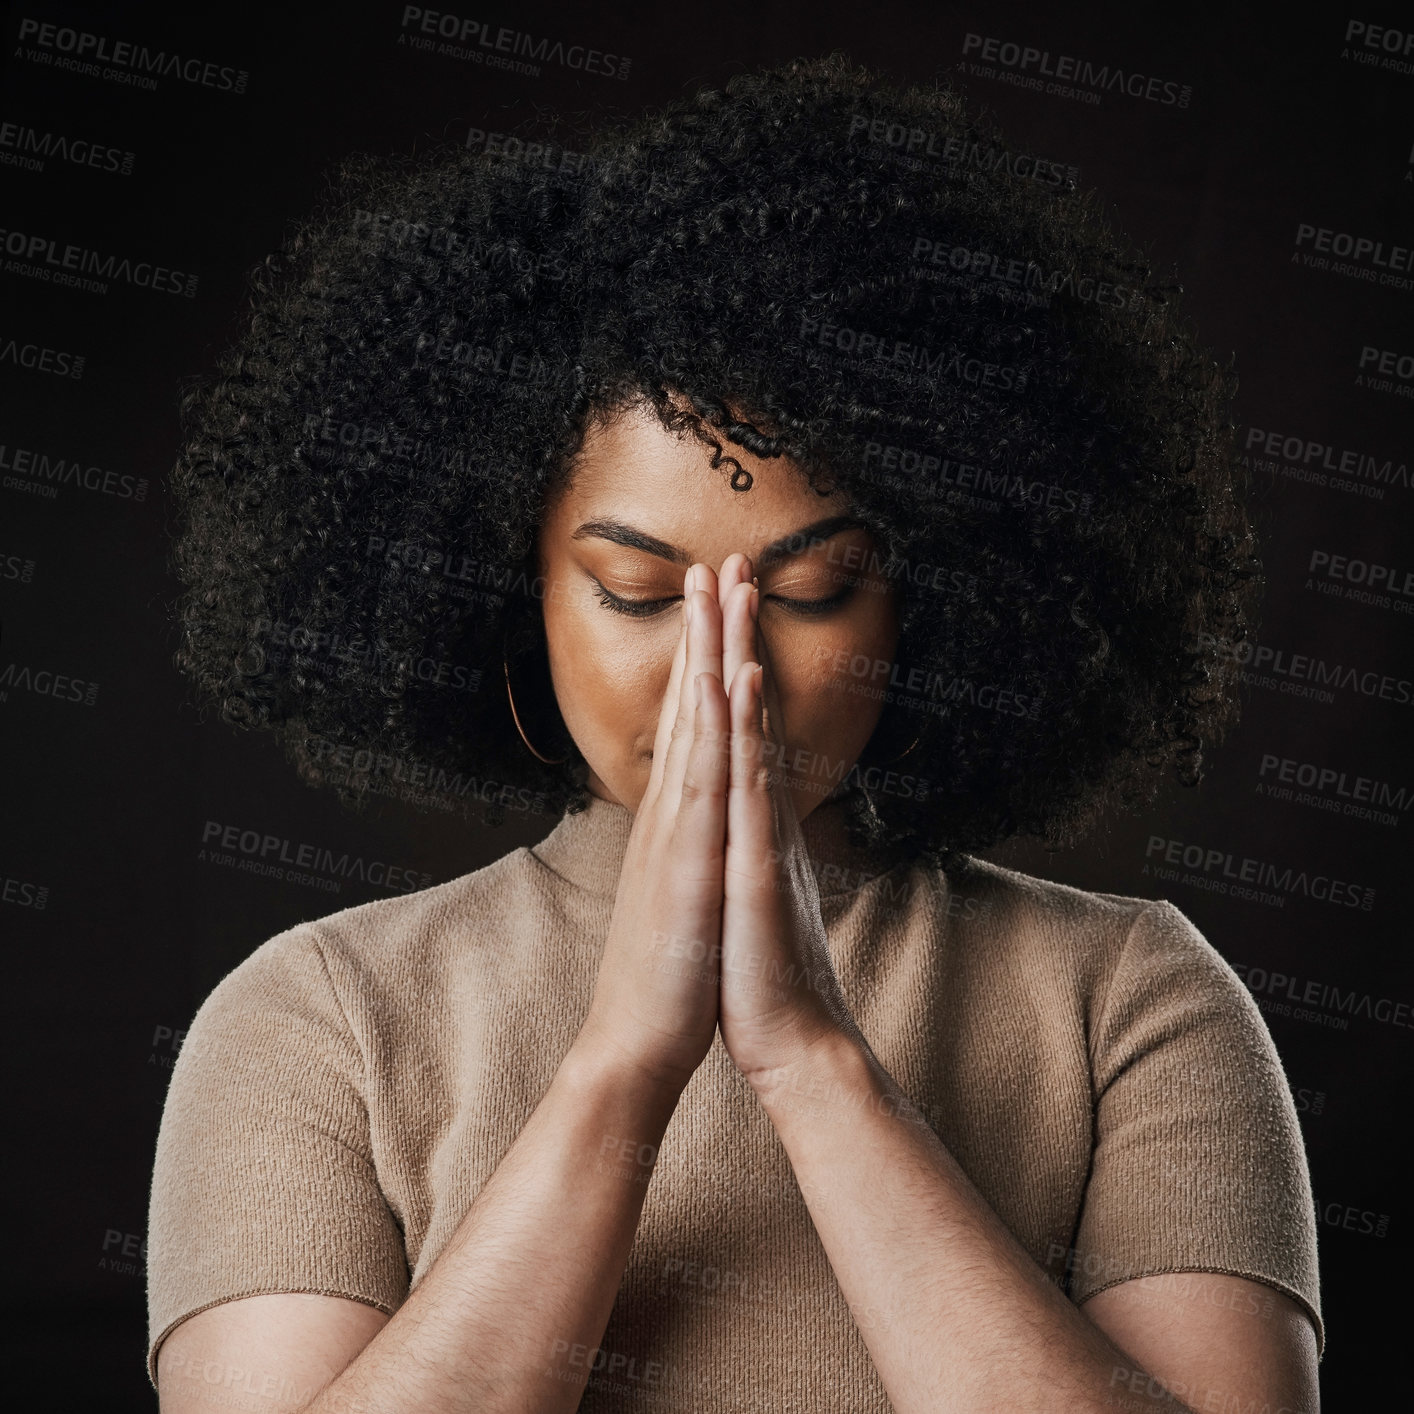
column 638, row 608
column 648, row 608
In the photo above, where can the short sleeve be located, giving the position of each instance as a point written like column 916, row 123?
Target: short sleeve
column 264, row 1179
column 1199, row 1163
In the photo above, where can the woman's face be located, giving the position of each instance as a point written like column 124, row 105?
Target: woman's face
column 636, row 481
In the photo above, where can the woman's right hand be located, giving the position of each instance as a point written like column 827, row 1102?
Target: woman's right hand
column 655, row 999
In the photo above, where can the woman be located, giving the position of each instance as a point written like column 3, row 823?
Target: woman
column 832, row 495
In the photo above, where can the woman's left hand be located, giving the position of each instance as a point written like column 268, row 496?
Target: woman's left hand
column 779, row 992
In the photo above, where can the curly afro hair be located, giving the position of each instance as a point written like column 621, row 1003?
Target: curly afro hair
column 809, row 262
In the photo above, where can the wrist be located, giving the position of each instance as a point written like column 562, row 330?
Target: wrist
column 598, row 1058
column 820, row 1057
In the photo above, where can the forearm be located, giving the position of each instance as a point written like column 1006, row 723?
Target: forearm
column 955, row 1312
column 512, row 1310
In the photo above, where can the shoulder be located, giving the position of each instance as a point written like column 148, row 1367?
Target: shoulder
column 1028, row 899
column 1025, row 913
column 420, row 915
column 325, row 965
column 1112, row 950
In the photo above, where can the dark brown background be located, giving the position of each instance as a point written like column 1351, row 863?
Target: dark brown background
column 105, row 804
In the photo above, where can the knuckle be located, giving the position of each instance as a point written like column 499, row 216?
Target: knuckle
column 697, row 789
column 708, row 735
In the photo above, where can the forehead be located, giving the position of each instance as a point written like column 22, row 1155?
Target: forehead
column 633, row 469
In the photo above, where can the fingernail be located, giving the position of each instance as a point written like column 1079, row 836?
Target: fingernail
column 755, row 601
column 756, row 680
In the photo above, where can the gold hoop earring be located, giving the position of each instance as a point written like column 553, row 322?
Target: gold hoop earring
column 904, row 753
column 910, row 746
column 515, row 717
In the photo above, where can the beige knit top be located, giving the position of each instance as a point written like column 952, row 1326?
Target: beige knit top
column 1097, row 1069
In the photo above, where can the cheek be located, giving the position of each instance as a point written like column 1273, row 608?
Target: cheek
column 821, row 669
column 607, row 670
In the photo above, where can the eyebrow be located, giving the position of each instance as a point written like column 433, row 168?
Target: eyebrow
column 796, row 542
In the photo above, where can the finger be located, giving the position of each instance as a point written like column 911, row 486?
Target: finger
column 750, row 805
column 738, row 615
column 736, row 569
column 776, row 748
column 707, row 581
column 773, row 722
column 700, row 826
column 704, row 655
column 671, row 706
